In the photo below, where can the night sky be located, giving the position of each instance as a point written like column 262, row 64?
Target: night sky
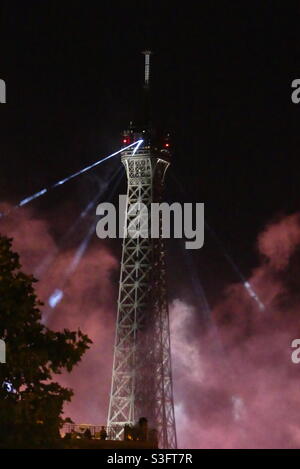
column 221, row 84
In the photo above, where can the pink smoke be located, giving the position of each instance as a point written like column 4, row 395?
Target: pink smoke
column 279, row 241
column 236, row 386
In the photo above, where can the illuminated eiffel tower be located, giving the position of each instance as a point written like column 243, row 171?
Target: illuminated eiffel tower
column 142, row 375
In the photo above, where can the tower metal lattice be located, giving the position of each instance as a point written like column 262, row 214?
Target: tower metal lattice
column 142, row 375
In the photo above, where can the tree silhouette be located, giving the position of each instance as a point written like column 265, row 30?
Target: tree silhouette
column 31, row 403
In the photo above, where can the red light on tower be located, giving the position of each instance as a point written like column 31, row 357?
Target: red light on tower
column 167, row 145
column 126, row 140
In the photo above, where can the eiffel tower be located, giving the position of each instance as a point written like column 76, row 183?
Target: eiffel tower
column 142, row 375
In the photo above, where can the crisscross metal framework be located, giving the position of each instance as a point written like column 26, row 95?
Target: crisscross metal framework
column 142, row 375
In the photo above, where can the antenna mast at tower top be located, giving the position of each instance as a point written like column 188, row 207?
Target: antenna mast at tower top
column 147, row 54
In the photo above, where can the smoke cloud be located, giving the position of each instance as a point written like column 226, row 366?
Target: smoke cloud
column 234, row 383
column 236, row 387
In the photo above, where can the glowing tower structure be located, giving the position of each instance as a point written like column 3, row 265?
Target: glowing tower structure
column 142, row 375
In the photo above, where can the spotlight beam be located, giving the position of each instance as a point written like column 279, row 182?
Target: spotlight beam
column 58, row 294
column 45, row 264
column 246, row 284
column 72, row 176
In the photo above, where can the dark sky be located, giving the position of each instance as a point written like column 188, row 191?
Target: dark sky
column 221, row 82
